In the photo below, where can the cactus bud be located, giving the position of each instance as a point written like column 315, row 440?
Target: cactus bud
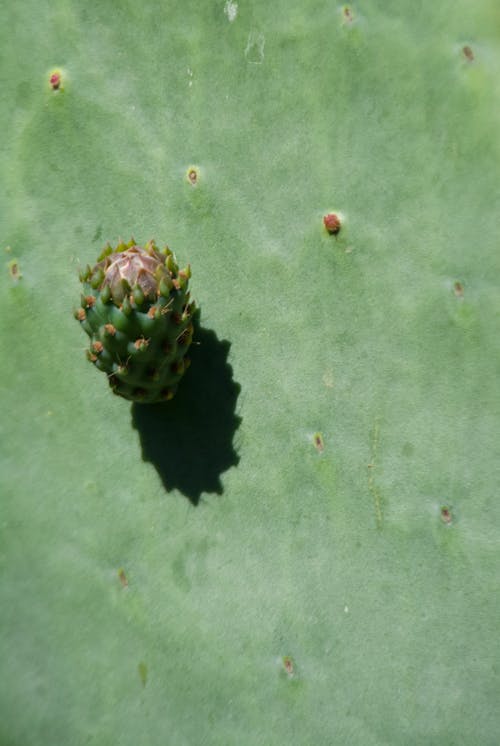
column 132, row 300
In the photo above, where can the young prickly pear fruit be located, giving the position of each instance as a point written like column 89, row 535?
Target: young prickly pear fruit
column 136, row 309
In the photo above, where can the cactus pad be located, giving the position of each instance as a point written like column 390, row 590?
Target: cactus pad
column 136, row 309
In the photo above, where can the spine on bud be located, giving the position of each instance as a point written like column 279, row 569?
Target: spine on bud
column 97, row 278
column 172, row 265
column 126, row 306
column 106, row 294
column 165, row 286
column 139, row 297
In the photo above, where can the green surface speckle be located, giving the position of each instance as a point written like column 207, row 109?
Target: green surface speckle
column 143, row 672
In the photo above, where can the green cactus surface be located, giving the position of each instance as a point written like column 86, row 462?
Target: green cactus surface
column 136, row 309
column 303, row 545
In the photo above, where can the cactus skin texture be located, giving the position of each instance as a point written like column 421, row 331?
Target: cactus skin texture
column 136, row 309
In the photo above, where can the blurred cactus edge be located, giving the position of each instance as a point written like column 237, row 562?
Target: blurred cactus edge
column 300, row 542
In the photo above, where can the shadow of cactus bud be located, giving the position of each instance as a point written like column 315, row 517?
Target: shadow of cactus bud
column 189, row 440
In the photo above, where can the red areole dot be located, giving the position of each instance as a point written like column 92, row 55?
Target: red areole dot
column 55, row 80
column 332, row 223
